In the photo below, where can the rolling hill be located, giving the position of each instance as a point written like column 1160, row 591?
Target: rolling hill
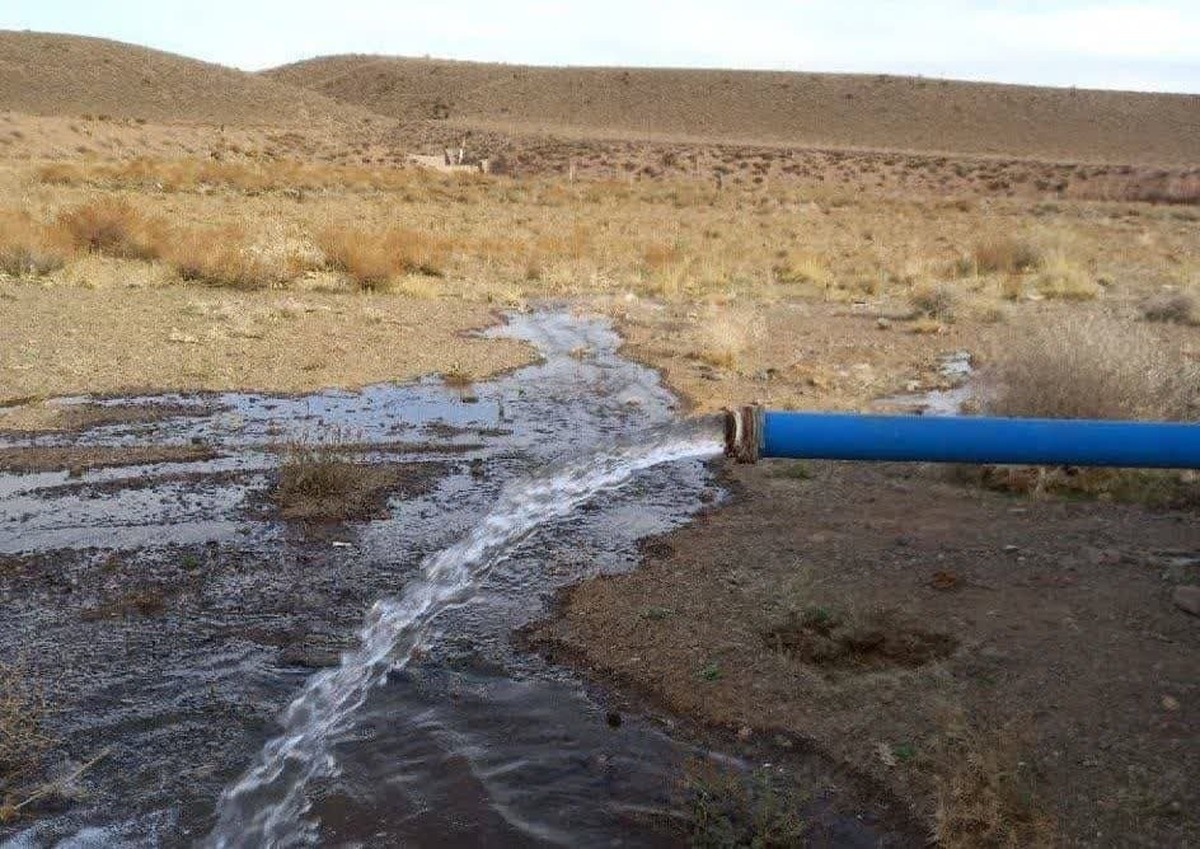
column 832, row 110
column 50, row 74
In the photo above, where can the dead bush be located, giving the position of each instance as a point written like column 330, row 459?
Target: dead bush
column 114, row 227
column 988, row 793
column 319, row 481
column 223, row 256
column 938, row 302
column 1091, row 367
column 1004, row 255
column 30, row 248
column 373, row 259
column 23, row 742
column 1173, row 307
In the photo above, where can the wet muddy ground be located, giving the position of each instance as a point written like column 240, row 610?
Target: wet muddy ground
column 169, row 613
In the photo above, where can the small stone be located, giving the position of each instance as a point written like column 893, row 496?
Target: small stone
column 1170, row 703
column 883, row 323
column 1187, row 599
column 613, row 718
column 1011, row 549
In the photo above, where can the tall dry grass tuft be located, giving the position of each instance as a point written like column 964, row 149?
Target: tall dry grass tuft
column 375, row 259
column 113, row 226
column 23, row 742
column 1173, row 307
column 1061, row 278
column 1092, row 367
column 988, row 794
column 31, row 248
column 727, row 334
column 224, row 256
column 1002, row 255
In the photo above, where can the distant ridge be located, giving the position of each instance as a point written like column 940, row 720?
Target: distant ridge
column 836, row 110
column 50, row 74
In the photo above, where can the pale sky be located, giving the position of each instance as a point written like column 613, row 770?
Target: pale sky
column 1149, row 46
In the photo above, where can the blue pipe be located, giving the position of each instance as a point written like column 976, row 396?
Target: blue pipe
column 752, row 433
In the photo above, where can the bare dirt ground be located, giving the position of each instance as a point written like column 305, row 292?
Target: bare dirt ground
column 1014, row 669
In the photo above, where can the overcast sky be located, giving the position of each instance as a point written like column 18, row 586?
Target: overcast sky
column 1149, row 45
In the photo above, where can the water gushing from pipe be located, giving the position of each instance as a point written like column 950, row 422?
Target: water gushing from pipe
column 266, row 806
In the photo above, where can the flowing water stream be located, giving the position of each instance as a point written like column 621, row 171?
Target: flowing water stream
column 217, row 657
column 175, row 623
column 266, row 806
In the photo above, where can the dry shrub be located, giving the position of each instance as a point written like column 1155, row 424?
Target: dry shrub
column 1003, row 255
column 1173, row 307
column 727, row 334
column 319, row 482
column 802, row 267
column 28, row 247
column 988, row 794
column 656, row 258
column 1062, row 279
column 374, row 259
column 1153, row 487
column 223, row 256
column 1092, row 367
column 23, row 742
column 728, row 808
column 114, row 227
column 937, row 302
column 1143, row 186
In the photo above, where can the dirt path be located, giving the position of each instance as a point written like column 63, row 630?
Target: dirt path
column 1014, row 669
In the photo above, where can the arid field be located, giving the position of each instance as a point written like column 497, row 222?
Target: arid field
column 804, row 241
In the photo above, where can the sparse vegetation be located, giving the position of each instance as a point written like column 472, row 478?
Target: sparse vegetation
column 1172, row 306
column 30, row 248
column 988, row 794
column 936, row 302
column 320, row 481
column 728, row 809
column 1003, row 255
column 23, row 740
column 1091, row 366
column 114, row 227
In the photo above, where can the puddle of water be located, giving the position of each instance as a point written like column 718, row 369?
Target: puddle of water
column 955, row 368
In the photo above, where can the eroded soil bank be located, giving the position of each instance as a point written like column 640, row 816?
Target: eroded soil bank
column 1014, row 669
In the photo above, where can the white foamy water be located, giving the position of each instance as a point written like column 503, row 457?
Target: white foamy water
column 267, row 805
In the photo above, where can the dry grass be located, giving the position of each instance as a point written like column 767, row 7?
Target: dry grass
column 31, row 248
column 726, row 808
column 988, row 795
column 246, row 176
column 1061, row 278
column 1002, row 255
column 1173, row 307
column 728, row 334
column 1091, row 367
column 23, row 742
column 936, row 302
column 320, row 482
column 114, row 227
column 373, row 259
column 224, row 256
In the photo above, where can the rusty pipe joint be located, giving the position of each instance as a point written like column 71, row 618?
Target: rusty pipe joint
column 743, row 433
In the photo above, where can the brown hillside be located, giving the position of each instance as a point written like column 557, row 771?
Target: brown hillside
column 835, row 110
column 50, row 74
